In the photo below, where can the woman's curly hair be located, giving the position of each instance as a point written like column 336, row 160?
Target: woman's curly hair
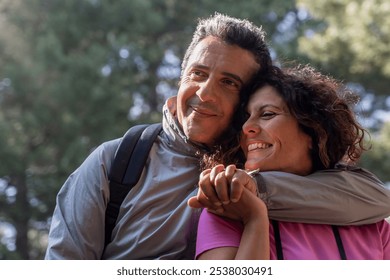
column 323, row 108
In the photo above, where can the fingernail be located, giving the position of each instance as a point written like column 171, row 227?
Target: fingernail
column 218, row 203
column 234, row 200
column 225, row 202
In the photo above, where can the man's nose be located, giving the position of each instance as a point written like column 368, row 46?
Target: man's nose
column 207, row 91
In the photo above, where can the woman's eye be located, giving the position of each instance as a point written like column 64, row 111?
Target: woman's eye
column 268, row 115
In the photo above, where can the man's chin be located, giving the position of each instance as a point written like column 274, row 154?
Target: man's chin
column 197, row 136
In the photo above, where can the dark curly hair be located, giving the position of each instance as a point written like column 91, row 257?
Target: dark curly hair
column 323, row 107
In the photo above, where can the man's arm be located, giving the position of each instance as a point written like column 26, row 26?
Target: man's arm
column 341, row 196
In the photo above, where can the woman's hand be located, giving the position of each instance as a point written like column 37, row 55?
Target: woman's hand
column 221, row 186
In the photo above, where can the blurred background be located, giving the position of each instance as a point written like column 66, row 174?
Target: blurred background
column 76, row 73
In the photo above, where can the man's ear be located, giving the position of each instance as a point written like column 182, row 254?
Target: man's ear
column 172, row 105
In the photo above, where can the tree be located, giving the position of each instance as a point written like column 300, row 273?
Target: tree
column 350, row 40
column 355, row 36
column 51, row 74
column 377, row 159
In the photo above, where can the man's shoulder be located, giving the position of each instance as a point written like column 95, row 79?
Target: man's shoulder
column 110, row 145
column 103, row 154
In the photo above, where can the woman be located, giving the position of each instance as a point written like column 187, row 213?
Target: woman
column 298, row 121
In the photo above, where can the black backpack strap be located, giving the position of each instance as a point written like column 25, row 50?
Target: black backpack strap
column 140, row 154
column 339, row 242
column 126, row 169
column 278, row 240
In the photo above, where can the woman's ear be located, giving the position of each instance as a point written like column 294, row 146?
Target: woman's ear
column 310, row 145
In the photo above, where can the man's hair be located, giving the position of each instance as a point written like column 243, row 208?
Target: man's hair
column 323, row 107
column 233, row 31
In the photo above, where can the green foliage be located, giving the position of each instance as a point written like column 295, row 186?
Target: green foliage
column 350, row 40
column 377, row 159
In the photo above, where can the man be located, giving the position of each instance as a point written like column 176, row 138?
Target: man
column 154, row 221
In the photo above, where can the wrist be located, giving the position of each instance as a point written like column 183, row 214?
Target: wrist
column 257, row 215
column 257, row 223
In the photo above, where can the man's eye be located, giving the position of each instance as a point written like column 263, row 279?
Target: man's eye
column 197, row 73
column 231, row 83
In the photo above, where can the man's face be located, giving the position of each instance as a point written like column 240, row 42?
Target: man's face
column 209, row 88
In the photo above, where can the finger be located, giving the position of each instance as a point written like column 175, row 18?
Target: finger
column 241, row 180
column 235, row 185
column 230, row 171
column 236, row 189
column 193, row 202
column 200, row 201
column 215, row 171
column 197, row 201
column 207, row 188
column 222, row 188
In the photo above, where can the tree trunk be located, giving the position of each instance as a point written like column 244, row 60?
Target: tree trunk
column 21, row 216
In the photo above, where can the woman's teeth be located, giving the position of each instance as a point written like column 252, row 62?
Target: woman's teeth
column 255, row 146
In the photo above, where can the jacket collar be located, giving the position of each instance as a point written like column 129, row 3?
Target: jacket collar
column 174, row 129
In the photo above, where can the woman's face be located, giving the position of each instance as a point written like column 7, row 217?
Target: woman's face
column 272, row 139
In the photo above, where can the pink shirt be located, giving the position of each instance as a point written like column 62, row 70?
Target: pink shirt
column 301, row 241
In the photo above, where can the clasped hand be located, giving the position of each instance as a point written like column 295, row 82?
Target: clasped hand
column 230, row 192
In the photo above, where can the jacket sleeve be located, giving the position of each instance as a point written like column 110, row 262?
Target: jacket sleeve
column 77, row 226
column 340, row 196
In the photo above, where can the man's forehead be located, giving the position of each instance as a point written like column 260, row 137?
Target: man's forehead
column 231, row 59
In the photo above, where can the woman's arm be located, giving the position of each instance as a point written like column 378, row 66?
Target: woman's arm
column 254, row 242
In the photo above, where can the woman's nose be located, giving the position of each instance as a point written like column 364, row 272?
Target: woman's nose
column 250, row 127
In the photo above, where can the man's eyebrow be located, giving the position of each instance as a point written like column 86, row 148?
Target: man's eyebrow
column 197, row 65
column 231, row 75
column 234, row 76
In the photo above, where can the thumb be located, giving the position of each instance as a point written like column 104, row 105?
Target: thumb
column 194, row 203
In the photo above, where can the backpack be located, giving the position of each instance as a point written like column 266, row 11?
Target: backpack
column 129, row 161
